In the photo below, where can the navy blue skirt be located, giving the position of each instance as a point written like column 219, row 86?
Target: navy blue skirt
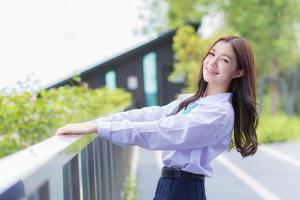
column 180, row 189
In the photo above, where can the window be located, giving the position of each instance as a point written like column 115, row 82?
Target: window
column 132, row 83
column 150, row 78
column 110, row 80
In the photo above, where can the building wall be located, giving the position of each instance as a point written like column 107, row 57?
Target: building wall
column 165, row 58
column 131, row 64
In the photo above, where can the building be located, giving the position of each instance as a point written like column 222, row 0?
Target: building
column 143, row 71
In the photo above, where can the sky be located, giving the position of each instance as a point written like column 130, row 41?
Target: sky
column 51, row 40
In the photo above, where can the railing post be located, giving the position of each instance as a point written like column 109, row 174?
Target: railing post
column 91, row 170
column 105, row 169
column 84, row 174
column 88, row 175
column 71, row 180
column 97, row 166
column 112, row 170
column 42, row 193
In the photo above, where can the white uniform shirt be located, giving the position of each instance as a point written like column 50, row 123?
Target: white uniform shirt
column 190, row 139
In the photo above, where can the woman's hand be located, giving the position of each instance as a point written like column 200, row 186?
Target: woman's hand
column 78, row 128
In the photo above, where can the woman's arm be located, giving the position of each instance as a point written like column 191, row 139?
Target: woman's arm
column 201, row 127
column 144, row 114
column 151, row 113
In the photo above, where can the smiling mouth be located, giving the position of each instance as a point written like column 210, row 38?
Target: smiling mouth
column 211, row 72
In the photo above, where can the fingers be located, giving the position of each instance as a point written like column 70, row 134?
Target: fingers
column 77, row 128
column 63, row 130
column 60, row 131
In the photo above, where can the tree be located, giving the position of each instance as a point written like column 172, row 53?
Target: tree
column 154, row 15
column 162, row 15
column 270, row 26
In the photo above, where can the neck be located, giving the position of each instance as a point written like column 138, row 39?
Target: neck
column 214, row 90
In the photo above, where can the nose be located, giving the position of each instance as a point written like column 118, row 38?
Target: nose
column 213, row 62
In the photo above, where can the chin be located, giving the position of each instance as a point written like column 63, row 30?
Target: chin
column 206, row 79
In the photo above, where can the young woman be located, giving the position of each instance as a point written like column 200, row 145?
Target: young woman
column 196, row 128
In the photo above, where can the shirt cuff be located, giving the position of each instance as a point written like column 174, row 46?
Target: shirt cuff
column 104, row 129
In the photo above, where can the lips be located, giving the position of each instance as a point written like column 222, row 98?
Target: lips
column 211, row 71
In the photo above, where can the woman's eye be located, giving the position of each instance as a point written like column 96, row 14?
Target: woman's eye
column 211, row 53
column 225, row 60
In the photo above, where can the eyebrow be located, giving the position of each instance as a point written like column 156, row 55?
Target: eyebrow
column 222, row 54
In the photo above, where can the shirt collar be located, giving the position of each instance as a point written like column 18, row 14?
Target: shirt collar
column 216, row 98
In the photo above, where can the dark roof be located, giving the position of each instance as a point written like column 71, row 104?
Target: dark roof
column 148, row 46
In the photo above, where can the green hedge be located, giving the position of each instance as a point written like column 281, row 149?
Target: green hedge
column 130, row 192
column 27, row 118
column 278, row 128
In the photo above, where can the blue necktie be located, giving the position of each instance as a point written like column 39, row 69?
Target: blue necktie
column 189, row 108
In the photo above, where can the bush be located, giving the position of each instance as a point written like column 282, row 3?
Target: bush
column 278, row 128
column 28, row 117
column 130, row 192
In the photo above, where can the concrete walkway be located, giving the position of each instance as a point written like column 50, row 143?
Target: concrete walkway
column 272, row 174
column 148, row 174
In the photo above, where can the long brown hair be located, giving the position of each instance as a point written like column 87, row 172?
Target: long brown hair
column 243, row 98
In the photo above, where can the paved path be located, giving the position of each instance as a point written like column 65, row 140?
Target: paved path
column 147, row 174
column 272, row 174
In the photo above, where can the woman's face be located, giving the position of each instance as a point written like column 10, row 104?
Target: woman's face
column 220, row 65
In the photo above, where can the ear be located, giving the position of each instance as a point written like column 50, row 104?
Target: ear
column 238, row 73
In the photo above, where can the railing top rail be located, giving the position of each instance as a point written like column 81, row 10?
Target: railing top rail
column 22, row 164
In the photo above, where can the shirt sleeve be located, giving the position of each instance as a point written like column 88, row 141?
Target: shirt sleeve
column 196, row 129
column 150, row 113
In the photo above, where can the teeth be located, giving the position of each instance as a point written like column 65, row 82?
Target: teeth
column 211, row 71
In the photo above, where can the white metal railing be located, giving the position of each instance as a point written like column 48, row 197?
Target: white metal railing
column 66, row 167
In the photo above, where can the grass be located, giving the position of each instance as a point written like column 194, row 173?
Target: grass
column 278, row 128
